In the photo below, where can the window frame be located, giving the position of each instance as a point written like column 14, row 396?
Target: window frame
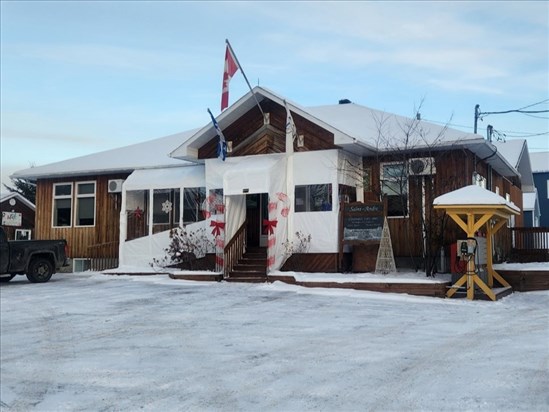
column 307, row 205
column 56, row 197
column 77, row 198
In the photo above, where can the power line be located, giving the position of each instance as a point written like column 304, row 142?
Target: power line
column 509, row 133
column 480, row 115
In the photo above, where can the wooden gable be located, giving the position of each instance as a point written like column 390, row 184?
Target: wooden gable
column 250, row 136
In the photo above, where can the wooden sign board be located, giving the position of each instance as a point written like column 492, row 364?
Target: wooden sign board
column 363, row 222
column 361, row 226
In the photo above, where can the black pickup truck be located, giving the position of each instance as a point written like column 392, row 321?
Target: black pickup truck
column 38, row 259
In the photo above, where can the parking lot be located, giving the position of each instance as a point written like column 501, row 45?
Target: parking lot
column 93, row 342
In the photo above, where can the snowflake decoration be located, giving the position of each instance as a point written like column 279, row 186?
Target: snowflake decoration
column 167, row 206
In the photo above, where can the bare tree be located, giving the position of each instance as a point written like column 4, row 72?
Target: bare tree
column 407, row 156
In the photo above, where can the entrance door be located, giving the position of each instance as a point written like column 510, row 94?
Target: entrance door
column 256, row 211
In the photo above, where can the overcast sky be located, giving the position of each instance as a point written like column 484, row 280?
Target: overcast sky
column 81, row 77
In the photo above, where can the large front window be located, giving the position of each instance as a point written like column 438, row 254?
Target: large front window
column 62, row 204
column 394, row 186
column 313, row 198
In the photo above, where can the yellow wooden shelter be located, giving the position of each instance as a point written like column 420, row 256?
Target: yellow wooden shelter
column 472, row 208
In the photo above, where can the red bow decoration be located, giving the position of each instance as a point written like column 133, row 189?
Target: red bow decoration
column 270, row 225
column 217, row 227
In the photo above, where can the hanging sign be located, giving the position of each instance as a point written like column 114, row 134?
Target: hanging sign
column 12, row 218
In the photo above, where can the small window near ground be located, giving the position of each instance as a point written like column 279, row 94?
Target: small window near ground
column 313, row 198
column 81, row 265
column 62, row 204
column 85, row 204
column 394, row 186
column 193, row 198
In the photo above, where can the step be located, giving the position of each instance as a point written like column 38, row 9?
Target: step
column 256, row 279
column 249, row 276
column 250, row 267
column 254, row 256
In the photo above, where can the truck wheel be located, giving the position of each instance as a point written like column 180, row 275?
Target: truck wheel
column 40, row 271
column 6, row 279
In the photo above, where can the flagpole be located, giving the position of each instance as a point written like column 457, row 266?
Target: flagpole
column 245, row 78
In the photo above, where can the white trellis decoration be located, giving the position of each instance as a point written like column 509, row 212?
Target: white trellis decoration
column 385, row 262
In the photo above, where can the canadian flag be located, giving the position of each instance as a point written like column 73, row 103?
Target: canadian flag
column 231, row 67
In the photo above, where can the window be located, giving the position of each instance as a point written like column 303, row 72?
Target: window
column 62, row 204
column 137, row 212
column 347, row 193
column 367, row 179
column 85, row 204
column 313, row 198
column 22, row 234
column 165, row 209
column 394, row 185
column 193, row 198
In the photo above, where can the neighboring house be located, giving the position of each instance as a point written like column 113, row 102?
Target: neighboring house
column 17, row 216
column 267, row 189
column 516, row 153
column 540, row 170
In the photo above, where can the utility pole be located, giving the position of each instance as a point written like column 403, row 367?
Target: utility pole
column 477, row 115
column 489, row 131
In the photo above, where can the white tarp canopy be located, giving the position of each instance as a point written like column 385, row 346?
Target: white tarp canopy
column 166, row 178
column 252, row 173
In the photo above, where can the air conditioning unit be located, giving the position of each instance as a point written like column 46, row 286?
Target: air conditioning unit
column 115, row 185
column 421, row 166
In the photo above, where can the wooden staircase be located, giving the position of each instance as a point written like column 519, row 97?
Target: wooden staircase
column 251, row 267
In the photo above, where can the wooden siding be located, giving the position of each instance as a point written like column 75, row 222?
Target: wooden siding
column 81, row 239
column 312, row 262
column 249, row 135
column 454, row 169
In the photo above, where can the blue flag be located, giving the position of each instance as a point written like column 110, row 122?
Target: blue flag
column 222, row 147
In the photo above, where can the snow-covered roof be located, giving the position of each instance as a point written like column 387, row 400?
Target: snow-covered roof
column 378, row 129
column 540, row 162
column 5, row 196
column 512, row 150
column 357, row 129
column 473, row 195
column 516, row 153
column 145, row 155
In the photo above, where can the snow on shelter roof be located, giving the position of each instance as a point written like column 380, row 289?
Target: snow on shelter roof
column 473, row 195
column 144, row 155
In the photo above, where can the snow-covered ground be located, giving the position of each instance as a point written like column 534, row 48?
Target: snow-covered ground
column 89, row 342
